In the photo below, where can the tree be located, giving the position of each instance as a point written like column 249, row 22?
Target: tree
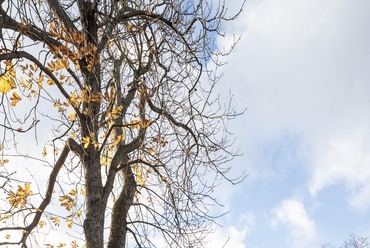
column 137, row 141
column 354, row 241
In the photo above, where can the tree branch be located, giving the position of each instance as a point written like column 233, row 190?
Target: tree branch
column 70, row 145
column 23, row 54
column 61, row 13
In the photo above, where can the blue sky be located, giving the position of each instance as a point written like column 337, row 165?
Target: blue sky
column 302, row 69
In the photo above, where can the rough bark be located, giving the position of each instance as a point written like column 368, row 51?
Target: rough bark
column 95, row 205
column 118, row 226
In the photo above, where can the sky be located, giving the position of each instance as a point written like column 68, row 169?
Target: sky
column 302, row 69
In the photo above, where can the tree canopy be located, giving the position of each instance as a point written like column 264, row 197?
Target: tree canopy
column 109, row 123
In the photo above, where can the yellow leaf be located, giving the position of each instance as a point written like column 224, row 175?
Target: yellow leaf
column 42, row 224
column 63, row 198
column 86, row 112
column 39, row 80
column 55, row 220
column 44, row 153
column 19, row 198
column 86, row 141
column 5, row 85
column 74, row 99
column 3, row 162
column 140, row 177
column 27, row 189
column 69, row 222
column 73, row 192
column 50, row 81
column 67, row 201
column 83, row 191
column 72, row 115
column 145, row 123
column 84, row 96
column 104, row 161
column 79, row 212
column 7, row 236
column 74, row 244
column 15, row 98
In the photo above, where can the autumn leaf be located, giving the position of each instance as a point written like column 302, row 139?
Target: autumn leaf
column 50, row 81
column 67, row 202
column 3, row 162
column 152, row 151
column 86, row 141
column 14, row 99
column 52, row 25
column 104, row 161
column 27, row 189
column 73, row 192
column 79, row 213
column 42, row 224
column 19, row 198
column 83, row 191
column 5, row 85
column 44, row 153
column 55, row 220
column 145, row 123
column 74, row 99
column 130, row 26
column 140, row 176
column 72, row 115
column 69, row 222
column 74, row 244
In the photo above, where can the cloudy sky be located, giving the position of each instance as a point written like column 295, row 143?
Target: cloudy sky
column 302, row 69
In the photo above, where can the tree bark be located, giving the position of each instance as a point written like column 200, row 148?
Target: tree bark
column 95, row 203
column 118, row 228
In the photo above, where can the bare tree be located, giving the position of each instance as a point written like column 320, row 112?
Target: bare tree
column 137, row 142
column 353, row 242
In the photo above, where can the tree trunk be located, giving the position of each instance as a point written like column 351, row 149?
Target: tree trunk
column 95, row 203
column 118, row 228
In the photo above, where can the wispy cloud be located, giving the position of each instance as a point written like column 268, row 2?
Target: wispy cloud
column 292, row 215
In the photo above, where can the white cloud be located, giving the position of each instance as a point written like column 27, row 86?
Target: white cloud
column 305, row 69
column 292, row 215
column 233, row 236
column 302, row 66
column 344, row 158
column 229, row 237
